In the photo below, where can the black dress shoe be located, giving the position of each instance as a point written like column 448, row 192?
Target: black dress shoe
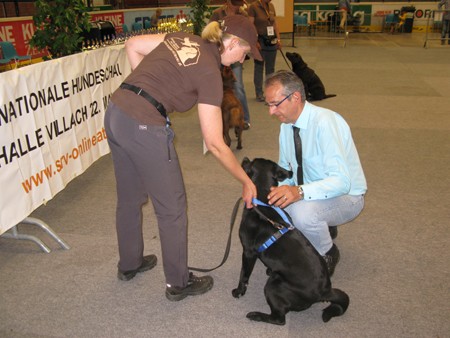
column 333, row 232
column 332, row 258
column 148, row 263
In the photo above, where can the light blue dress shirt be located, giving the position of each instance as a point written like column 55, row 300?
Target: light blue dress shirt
column 331, row 165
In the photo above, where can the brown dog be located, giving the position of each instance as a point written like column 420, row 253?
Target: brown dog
column 232, row 112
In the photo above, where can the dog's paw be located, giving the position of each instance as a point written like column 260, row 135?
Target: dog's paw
column 257, row 316
column 263, row 317
column 238, row 292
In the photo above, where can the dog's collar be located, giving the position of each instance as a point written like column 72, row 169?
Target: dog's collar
column 281, row 228
column 281, row 212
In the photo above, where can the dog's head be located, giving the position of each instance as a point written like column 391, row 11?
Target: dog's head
column 265, row 174
column 228, row 77
column 295, row 59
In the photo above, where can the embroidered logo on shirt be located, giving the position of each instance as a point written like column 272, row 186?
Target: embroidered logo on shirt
column 185, row 51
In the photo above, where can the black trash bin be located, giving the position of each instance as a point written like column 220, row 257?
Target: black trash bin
column 409, row 21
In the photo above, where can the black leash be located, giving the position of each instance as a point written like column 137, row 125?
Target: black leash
column 227, row 250
column 283, row 214
column 284, row 57
column 276, row 225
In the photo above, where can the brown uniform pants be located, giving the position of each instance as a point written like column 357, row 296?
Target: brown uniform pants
column 146, row 165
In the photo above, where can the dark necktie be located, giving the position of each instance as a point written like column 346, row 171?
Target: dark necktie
column 298, row 154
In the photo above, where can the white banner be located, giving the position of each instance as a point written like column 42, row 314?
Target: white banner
column 51, row 126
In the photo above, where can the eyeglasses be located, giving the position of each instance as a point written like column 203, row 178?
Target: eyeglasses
column 270, row 105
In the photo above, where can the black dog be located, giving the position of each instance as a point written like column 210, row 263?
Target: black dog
column 298, row 275
column 314, row 88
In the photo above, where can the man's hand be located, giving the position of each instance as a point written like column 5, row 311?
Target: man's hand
column 283, row 195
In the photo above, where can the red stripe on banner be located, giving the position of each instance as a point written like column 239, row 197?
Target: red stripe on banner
column 19, row 33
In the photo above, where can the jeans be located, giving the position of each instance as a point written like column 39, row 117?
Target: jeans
column 313, row 218
column 239, row 89
column 269, row 55
column 445, row 29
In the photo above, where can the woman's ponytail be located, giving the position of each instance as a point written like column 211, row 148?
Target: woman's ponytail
column 213, row 33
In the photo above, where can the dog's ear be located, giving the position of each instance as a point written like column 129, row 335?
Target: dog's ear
column 247, row 166
column 282, row 174
column 245, row 161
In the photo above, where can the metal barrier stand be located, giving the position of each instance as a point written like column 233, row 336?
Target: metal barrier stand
column 434, row 28
column 322, row 25
column 14, row 234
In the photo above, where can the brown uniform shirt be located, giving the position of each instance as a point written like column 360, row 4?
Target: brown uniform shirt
column 221, row 12
column 263, row 17
column 180, row 72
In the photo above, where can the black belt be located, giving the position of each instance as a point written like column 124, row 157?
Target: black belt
column 149, row 98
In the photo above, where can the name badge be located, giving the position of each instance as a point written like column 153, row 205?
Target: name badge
column 270, row 31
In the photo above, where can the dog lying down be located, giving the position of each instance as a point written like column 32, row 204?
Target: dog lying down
column 314, row 88
column 298, row 275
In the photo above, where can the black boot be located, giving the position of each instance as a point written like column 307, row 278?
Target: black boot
column 196, row 286
column 148, row 262
column 333, row 232
column 332, row 258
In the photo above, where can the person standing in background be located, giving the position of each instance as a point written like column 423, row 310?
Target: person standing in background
column 154, row 20
column 262, row 14
column 235, row 7
column 445, row 20
column 344, row 8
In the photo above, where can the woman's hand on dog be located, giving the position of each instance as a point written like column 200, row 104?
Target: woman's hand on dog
column 248, row 193
column 283, row 195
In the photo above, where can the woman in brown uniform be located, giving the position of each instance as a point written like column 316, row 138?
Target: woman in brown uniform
column 171, row 72
column 262, row 14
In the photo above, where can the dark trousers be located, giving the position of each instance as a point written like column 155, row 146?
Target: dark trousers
column 146, row 165
column 269, row 55
column 445, row 29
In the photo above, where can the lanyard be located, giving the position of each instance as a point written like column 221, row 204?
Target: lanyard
column 265, row 10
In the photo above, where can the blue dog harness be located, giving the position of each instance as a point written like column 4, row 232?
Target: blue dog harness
column 281, row 228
